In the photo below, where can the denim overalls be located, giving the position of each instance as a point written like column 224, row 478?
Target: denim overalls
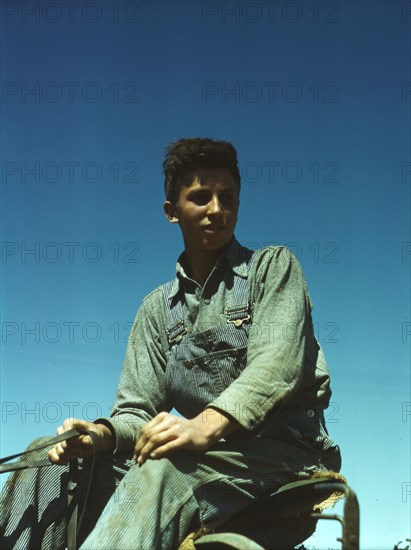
column 201, row 365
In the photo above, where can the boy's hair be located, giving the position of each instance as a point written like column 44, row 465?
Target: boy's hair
column 201, row 155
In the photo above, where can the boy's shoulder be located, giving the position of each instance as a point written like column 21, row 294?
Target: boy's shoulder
column 154, row 295
column 273, row 253
column 155, row 299
column 251, row 255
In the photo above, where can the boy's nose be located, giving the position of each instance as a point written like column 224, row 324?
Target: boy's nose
column 214, row 206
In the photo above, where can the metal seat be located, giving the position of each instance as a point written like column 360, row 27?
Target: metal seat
column 287, row 518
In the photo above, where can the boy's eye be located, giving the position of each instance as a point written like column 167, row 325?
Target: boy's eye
column 200, row 198
column 226, row 198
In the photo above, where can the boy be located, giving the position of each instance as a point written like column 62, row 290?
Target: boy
column 230, row 345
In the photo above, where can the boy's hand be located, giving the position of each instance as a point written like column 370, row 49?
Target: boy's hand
column 167, row 433
column 81, row 446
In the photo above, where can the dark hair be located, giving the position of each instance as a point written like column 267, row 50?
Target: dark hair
column 202, row 155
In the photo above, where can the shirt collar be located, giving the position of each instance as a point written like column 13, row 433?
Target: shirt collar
column 236, row 256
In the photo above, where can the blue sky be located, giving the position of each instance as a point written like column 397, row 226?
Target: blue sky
column 316, row 98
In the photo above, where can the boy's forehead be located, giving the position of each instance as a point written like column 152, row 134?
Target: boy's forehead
column 210, row 176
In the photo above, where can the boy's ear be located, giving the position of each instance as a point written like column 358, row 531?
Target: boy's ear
column 170, row 212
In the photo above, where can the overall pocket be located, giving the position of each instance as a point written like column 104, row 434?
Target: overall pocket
column 193, row 383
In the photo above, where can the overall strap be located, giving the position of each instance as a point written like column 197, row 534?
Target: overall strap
column 240, row 310
column 176, row 328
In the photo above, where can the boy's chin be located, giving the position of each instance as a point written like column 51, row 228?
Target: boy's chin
column 214, row 243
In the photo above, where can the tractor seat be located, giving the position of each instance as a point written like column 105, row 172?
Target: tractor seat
column 284, row 519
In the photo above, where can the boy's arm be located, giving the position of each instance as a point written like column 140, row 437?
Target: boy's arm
column 275, row 354
column 140, row 393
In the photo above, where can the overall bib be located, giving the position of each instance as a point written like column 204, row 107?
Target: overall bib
column 201, row 365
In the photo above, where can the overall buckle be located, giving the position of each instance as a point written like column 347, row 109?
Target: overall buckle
column 237, row 315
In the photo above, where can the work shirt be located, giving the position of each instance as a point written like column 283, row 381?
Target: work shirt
column 282, row 385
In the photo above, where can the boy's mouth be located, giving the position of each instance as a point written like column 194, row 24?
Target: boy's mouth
column 213, row 228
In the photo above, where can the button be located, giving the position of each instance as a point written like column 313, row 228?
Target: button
column 189, row 363
column 310, row 413
column 207, row 301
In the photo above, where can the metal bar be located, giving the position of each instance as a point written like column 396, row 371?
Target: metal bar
column 351, row 521
column 351, row 536
column 329, row 516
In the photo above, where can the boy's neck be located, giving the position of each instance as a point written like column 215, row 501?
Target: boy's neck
column 200, row 264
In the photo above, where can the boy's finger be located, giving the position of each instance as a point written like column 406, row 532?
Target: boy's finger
column 162, row 438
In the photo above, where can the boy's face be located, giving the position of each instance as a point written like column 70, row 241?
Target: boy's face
column 206, row 210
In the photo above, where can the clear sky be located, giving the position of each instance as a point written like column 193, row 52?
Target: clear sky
column 316, row 98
